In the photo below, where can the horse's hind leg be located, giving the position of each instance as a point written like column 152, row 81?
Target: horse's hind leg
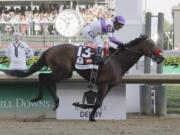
column 44, row 81
column 50, row 80
column 39, row 96
column 40, row 91
column 52, row 91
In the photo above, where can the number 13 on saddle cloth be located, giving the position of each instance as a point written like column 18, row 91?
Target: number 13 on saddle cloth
column 86, row 55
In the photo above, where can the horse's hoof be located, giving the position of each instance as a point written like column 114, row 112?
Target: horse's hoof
column 36, row 99
column 75, row 103
column 56, row 104
column 54, row 108
column 92, row 120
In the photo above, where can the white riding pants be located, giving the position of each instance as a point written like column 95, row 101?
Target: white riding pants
column 92, row 36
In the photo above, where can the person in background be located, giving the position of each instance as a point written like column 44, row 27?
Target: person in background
column 95, row 29
column 18, row 52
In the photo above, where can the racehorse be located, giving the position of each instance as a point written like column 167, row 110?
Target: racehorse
column 61, row 60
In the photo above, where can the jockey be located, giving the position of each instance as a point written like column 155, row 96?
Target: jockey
column 95, row 29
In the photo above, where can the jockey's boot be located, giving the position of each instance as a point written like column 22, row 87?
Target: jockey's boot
column 98, row 58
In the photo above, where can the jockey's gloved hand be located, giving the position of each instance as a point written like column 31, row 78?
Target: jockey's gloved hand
column 121, row 46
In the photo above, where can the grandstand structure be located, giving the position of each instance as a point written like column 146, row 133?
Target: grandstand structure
column 35, row 19
column 176, row 26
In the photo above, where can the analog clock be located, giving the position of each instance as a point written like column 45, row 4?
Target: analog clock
column 69, row 23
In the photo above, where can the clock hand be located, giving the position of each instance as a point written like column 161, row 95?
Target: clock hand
column 65, row 20
column 67, row 25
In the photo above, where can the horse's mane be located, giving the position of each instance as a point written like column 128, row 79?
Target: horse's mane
column 136, row 41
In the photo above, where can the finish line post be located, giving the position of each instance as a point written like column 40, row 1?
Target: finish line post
column 161, row 100
column 145, row 91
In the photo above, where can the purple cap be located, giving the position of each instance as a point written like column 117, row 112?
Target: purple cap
column 119, row 19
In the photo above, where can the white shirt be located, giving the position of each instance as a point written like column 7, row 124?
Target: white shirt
column 18, row 53
column 108, row 26
column 102, row 26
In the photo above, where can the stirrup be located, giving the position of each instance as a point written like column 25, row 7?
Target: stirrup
column 92, row 79
column 90, row 86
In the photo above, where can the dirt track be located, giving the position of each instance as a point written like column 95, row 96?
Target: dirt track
column 134, row 125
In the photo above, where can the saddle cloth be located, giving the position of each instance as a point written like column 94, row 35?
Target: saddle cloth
column 86, row 54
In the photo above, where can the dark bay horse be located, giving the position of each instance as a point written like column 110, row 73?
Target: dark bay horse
column 61, row 60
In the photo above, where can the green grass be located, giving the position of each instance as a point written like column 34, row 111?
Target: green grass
column 173, row 98
column 43, row 70
column 173, row 110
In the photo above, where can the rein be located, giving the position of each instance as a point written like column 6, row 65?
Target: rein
column 130, row 50
column 110, row 57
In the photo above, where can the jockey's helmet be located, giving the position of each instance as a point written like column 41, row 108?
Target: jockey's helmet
column 119, row 19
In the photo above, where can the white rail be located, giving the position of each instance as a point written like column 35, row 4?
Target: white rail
column 131, row 78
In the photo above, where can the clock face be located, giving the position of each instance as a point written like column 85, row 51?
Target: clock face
column 69, row 23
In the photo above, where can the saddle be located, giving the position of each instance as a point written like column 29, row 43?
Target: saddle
column 86, row 55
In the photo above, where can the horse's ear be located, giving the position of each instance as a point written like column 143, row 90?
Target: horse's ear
column 143, row 36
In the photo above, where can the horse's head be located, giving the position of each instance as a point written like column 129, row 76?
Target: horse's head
column 149, row 49
column 145, row 46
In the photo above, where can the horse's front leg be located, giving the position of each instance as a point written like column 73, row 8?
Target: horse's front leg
column 101, row 93
column 103, row 89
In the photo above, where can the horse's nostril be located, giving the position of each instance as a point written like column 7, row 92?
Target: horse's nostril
column 160, row 59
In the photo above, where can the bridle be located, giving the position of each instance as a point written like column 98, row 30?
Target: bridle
column 152, row 56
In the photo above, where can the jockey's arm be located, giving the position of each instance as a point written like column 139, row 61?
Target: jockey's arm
column 115, row 43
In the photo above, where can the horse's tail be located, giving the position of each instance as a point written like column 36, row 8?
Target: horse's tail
column 34, row 68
